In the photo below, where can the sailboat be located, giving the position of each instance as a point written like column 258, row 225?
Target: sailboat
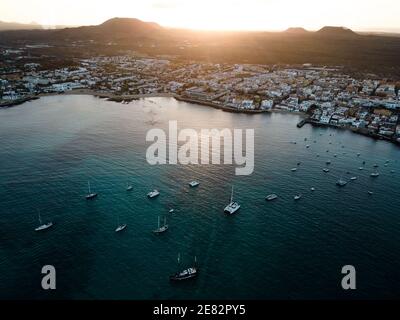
column 185, row 274
column 41, row 225
column 90, row 195
column 163, row 228
column 129, row 187
column 232, row 207
column 120, row 226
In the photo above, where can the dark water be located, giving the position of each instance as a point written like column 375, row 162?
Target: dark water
column 51, row 147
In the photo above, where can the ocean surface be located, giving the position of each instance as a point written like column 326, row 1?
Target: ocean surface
column 285, row 249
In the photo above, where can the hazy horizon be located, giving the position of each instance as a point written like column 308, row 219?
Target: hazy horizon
column 235, row 15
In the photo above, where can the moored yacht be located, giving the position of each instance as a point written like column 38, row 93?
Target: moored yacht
column 153, row 194
column 326, row 170
column 120, row 227
column 353, row 178
column 293, row 169
column 163, row 228
column 90, row 195
column 297, row 197
column 341, row 182
column 185, row 274
column 374, row 174
column 232, row 207
column 193, row 184
column 271, row 197
column 43, row 226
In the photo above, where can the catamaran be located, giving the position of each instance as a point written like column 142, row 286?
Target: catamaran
column 232, row 207
column 185, row 274
column 153, row 194
column 194, row 184
column 90, row 195
column 41, row 225
column 163, row 228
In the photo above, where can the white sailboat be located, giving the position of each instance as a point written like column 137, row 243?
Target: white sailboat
column 43, row 226
column 129, row 187
column 120, row 226
column 163, row 228
column 232, row 207
column 90, row 195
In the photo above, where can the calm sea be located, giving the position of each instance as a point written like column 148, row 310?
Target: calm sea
column 50, row 149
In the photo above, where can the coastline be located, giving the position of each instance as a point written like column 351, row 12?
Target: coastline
column 129, row 98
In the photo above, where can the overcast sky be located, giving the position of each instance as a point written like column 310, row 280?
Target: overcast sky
column 382, row 15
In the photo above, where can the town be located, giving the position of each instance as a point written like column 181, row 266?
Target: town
column 329, row 96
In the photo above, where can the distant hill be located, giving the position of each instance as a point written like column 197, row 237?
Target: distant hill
column 113, row 29
column 337, row 32
column 296, row 31
column 18, row 26
column 375, row 53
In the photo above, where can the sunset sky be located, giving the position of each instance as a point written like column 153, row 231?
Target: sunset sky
column 362, row 15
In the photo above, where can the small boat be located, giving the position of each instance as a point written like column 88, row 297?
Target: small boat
column 129, row 187
column 43, row 226
column 329, row 162
column 271, row 197
column 370, row 193
column 358, row 154
column 326, row 170
column 318, row 155
column 360, row 168
column 171, row 210
column 90, row 195
column 185, row 274
column 153, row 194
column 341, row 182
column 297, row 197
column 374, row 174
column 375, row 165
column 193, row 184
column 392, row 171
column 293, row 169
column 307, row 146
column 232, row 207
column 353, row 178
column 312, row 189
column 163, row 228
column 120, row 226
column 335, row 155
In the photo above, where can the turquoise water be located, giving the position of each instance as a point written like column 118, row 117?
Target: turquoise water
column 284, row 249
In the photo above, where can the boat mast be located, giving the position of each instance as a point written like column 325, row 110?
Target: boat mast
column 40, row 218
column 232, row 195
column 88, row 186
column 158, row 222
column 165, row 221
